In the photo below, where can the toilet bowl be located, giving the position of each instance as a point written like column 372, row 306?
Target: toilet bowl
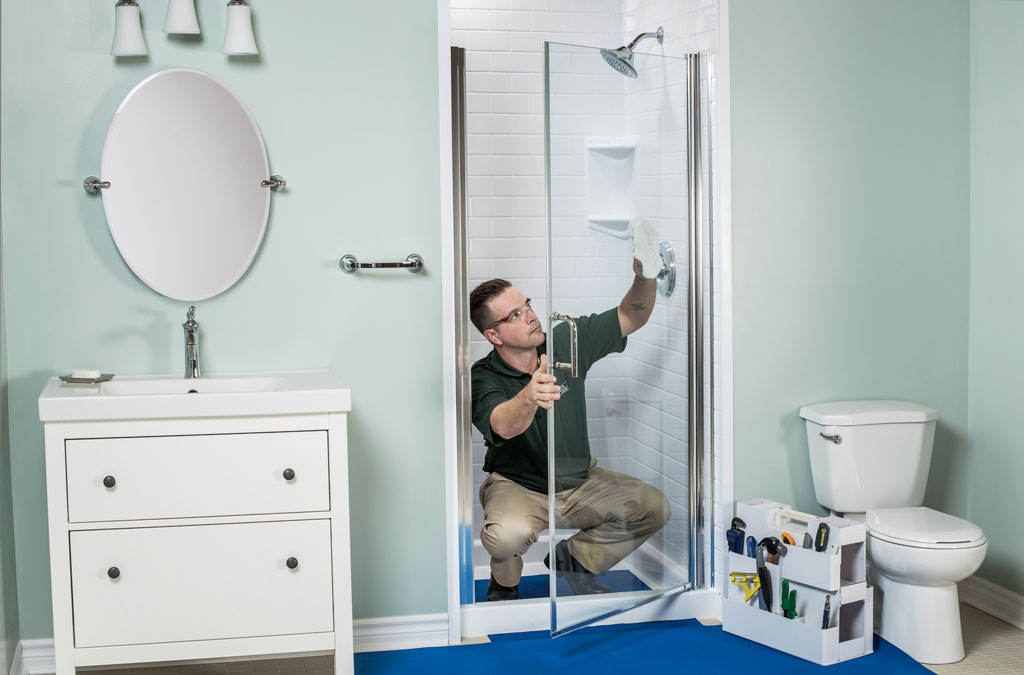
column 918, row 556
column 870, row 461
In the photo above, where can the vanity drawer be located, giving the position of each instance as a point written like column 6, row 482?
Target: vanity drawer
column 196, row 476
column 201, row 582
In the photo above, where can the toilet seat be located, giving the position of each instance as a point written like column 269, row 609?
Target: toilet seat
column 922, row 527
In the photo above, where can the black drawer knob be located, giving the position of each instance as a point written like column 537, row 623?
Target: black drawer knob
column 292, row 563
column 288, row 474
column 113, row 573
column 109, row 481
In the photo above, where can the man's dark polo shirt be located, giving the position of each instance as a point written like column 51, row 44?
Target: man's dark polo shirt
column 524, row 457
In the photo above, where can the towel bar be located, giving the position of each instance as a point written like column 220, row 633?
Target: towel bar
column 349, row 264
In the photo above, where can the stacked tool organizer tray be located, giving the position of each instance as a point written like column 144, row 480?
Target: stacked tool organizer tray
column 838, row 572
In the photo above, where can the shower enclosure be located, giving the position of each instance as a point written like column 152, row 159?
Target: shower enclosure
column 623, row 140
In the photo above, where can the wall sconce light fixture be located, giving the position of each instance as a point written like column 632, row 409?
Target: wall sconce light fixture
column 238, row 37
column 181, row 17
column 128, row 40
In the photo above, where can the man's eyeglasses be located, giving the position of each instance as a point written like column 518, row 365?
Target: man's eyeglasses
column 515, row 316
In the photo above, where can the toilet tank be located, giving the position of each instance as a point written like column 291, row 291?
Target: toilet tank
column 869, row 454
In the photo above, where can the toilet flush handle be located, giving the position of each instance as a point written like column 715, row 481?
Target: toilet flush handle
column 837, row 439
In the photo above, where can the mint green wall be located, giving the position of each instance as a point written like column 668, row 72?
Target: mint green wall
column 850, row 226
column 5, row 483
column 8, row 589
column 346, row 98
column 997, row 284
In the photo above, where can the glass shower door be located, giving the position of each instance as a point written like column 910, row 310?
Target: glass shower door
column 619, row 440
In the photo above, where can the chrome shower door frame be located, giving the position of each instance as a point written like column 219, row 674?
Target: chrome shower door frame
column 463, row 407
column 695, row 322
column 467, row 618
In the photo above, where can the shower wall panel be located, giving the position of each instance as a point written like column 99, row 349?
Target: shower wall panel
column 656, row 115
column 505, row 166
column 505, row 63
column 690, row 27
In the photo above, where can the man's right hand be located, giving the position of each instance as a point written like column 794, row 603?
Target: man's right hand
column 515, row 415
column 542, row 390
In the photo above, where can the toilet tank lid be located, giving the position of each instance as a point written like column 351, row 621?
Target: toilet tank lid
column 850, row 413
column 921, row 525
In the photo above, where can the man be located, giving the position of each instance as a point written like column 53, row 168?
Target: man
column 512, row 394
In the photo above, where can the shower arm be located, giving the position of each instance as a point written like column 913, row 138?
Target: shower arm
column 660, row 35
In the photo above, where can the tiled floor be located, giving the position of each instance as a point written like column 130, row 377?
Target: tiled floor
column 992, row 646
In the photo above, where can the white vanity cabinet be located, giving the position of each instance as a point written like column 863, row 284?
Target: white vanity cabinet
column 199, row 538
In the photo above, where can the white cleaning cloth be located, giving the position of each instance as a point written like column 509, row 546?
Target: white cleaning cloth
column 646, row 247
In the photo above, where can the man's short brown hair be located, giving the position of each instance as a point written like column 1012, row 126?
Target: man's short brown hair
column 479, row 312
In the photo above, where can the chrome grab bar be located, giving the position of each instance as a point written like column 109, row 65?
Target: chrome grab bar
column 837, row 439
column 574, row 363
column 349, row 264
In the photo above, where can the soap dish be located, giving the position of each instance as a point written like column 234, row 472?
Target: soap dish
column 67, row 379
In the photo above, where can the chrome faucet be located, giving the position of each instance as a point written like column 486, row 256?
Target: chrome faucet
column 191, row 327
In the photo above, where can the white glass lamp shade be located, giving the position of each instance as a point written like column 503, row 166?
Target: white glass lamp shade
column 181, row 17
column 128, row 40
column 238, row 37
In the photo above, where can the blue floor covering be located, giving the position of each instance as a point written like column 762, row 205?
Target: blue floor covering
column 537, row 586
column 626, row 649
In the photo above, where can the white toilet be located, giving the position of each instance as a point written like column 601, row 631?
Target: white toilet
column 870, row 462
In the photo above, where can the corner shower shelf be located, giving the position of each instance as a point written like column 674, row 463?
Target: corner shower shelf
column 611, row 166
column 616, row 226
column 620, row 148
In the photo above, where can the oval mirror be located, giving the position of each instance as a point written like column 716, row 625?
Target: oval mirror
column 185, row 205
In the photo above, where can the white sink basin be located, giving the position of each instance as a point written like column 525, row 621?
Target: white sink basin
column 216, row 384
column 161, row 396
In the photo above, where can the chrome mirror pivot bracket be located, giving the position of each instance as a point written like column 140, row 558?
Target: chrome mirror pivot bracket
column 93, row 185
column 276, row 183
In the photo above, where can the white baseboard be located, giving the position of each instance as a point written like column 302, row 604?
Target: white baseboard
column 401, row 632
column 993, row 599
column 35, row 657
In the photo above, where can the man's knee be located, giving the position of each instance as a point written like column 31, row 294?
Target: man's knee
column 663, row 510
column 655, row 507
column 508, row 538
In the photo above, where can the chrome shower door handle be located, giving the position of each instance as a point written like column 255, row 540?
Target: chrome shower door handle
column 574, row 361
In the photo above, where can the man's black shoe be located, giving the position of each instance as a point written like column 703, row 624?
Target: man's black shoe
column 496, row 591
column 581, row 580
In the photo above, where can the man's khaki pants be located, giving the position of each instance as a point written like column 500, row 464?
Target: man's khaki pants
column 615, row 514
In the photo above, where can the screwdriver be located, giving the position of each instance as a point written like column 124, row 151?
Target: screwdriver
column 821, row 539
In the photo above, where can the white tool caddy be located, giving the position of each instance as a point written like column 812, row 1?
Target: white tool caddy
column 838, row 572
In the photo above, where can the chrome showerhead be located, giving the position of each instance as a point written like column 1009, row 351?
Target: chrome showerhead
column 621, row 59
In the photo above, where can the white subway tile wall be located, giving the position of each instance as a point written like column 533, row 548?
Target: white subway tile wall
column 637, row 400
